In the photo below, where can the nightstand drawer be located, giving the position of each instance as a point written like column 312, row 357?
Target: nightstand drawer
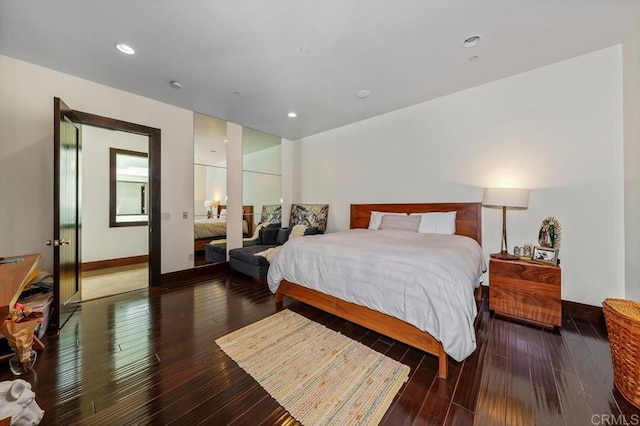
column 526, row 291
column 524, row 271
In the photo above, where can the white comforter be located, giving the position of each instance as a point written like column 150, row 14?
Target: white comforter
column 427, row 280
column 207, row 228
column 217, row 227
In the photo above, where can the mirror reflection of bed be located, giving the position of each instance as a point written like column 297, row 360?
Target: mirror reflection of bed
column 270, row 219
column 214, row 229
column 261, row 176
column 209, row 180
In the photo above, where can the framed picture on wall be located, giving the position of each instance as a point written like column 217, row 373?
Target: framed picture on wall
column 545, row 255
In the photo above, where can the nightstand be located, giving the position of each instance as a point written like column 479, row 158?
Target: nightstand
column 526, row 291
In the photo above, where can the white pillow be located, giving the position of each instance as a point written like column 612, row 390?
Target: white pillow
column 437, row 223
column 376, row 218
column 223, row 212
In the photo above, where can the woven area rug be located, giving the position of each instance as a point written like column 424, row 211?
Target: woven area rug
column 318, row 375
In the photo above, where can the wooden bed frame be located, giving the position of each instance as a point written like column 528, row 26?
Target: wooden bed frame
column 247, row 214
column 468, row 223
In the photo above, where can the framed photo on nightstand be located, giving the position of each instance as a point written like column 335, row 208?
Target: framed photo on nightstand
column 545, row 255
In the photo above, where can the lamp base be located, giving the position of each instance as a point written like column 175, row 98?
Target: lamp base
column 503, row 255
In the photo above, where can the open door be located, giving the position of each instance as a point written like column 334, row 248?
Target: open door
column 67, row 204
column 66, row 213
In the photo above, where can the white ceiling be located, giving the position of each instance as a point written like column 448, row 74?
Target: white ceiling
column 403, row 51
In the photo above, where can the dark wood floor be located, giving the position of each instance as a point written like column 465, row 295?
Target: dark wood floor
column 149, row 357
column 199, row 259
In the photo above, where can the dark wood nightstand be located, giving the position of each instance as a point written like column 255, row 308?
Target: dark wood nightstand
column 526, row 291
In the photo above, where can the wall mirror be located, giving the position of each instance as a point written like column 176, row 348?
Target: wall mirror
column 210, row 190
column 128, row 188
column 261, row 175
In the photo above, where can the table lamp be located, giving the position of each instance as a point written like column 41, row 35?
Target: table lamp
column 505, row 197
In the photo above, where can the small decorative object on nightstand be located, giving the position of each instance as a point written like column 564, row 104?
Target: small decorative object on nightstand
column 526, row 291
column 545, row 255
column 550, row 232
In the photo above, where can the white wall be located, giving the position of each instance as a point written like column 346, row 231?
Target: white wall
column 99, row 241
column 267, row 160
column 210, row 183
column 556, row 130
column 199, row 189
column 26, row 157
column 631, row 79
column 217, row 184
column 262, row 179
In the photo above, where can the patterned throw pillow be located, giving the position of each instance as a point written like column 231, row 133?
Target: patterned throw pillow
column 271, row 213
column 311, row 215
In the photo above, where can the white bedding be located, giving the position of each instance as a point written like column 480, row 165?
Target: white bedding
column 216, row 227
column 427, row 280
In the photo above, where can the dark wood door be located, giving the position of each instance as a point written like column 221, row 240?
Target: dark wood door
column 66, row 217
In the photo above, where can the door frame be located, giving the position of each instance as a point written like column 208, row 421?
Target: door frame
column 154, row 136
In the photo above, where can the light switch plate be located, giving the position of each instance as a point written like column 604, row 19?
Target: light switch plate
column 166, row 216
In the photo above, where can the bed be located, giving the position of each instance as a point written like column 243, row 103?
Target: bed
column 467, row 224
column 207, row 230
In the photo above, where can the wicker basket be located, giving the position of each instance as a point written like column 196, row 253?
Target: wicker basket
column 623, row 325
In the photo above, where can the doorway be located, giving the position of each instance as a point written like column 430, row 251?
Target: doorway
column 68, row 204
column 114, row 215
column 154, row 153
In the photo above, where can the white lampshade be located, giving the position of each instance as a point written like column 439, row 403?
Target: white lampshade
column 506, row 197
column 209, row 203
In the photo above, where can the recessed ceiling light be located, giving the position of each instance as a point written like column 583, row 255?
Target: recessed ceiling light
column 471, row 41
column 305, row 48
column 362, row 94
column 292, row 115
column 473, row 59
column 125, row 48
column 176, row 84
column 236, row 93
column 212, row 150
column 225, row 141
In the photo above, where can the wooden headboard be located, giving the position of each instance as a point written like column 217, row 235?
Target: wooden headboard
column 247, row 214
column 468, row 216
